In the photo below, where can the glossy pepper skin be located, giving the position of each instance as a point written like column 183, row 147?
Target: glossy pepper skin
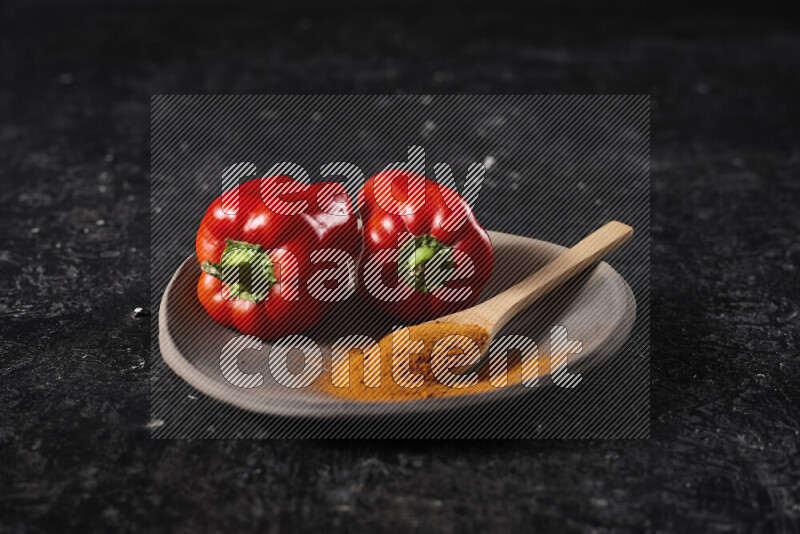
column 277, row 217
column 421, row 212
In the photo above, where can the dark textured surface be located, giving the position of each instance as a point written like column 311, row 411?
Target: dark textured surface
column 76, row 452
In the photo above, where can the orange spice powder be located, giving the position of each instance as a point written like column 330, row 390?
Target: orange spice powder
column 417, row 362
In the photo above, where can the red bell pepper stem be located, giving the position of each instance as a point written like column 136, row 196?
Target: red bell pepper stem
column 425, row 263
column 245, row 269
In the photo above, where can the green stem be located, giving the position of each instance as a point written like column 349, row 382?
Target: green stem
column 212, row 269
column 245, row 269
column 425, row 263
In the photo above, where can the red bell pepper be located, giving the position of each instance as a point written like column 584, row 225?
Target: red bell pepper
column 425, row 255
column 262, row 262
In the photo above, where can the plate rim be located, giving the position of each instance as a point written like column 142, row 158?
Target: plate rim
column 183, row 368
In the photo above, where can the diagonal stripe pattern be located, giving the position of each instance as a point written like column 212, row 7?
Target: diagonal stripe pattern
column 556, row 168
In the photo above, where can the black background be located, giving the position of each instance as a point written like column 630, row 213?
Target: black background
column 75, row 87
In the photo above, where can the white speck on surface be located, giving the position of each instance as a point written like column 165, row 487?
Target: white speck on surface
column 488, row 162
column 34, row 230
column 100, row 222
column 155, row 423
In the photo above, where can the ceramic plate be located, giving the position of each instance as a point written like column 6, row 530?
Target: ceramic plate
column 597, row 308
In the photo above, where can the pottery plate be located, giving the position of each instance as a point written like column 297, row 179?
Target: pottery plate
column 597, row 308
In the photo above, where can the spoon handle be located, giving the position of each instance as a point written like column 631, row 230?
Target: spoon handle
column 501, row 308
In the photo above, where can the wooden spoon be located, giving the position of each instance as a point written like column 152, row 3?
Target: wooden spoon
column 408, row 350
column 482, row 322
column 493, row 314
